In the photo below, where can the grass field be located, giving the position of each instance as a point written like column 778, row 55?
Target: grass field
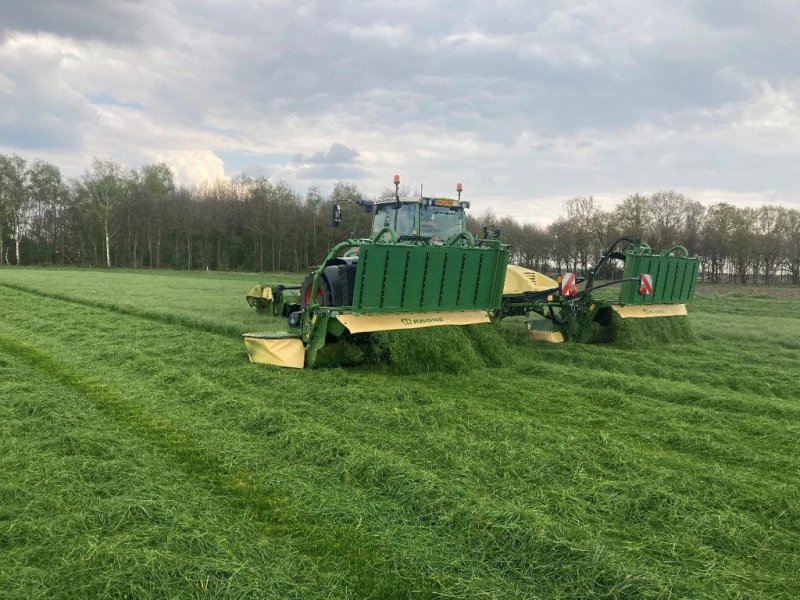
column 142, row 456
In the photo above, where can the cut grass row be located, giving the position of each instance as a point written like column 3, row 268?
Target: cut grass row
column 550, row 476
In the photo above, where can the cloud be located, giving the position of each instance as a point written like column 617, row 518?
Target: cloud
column 336, row 163
column 39, row 109
column 193, row 167
column 336, row 154
column 119, row 21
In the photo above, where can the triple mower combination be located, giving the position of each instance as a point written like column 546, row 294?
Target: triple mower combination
column 422, row 268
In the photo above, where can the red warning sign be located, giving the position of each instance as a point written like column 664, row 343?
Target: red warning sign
column 568, row 287
column 645, row 284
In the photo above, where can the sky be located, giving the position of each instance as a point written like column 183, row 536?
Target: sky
column 527, row 103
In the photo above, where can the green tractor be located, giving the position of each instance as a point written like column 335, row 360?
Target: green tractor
column 422, row 268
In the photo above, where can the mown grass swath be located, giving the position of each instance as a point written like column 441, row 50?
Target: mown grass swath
column 143, row 456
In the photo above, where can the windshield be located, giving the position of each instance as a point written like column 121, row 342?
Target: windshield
column 401, row 220
column 439, row 222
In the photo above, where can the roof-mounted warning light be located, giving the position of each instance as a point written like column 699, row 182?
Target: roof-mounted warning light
column 397, row 192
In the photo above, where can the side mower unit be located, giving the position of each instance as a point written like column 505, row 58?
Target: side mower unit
column 279, row 300
column 653, row 285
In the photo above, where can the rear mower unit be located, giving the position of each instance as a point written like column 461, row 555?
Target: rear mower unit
column 652, row 286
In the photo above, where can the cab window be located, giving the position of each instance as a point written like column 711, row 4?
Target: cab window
column 401, row 220
column 439, row 222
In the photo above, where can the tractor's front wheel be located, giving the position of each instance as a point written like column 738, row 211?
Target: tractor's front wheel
column 324, row 296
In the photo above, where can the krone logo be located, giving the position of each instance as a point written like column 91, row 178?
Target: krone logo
column 408, row 321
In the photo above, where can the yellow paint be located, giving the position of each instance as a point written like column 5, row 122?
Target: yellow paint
column 413, row 320
column 520, row 280
column 650, row 311
column 282, row 352
column 554, row 337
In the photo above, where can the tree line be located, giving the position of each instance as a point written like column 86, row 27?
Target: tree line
column 114, row 216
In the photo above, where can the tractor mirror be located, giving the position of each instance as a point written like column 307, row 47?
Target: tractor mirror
column 336, row 217
column 491, row 232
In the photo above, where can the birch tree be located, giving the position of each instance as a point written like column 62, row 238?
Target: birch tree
column 13, row 187
column 103, row 189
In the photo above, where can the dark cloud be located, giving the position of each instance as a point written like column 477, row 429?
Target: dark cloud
column 117, row 21
column 337, row 162
column 336, row 154
column 330, row 172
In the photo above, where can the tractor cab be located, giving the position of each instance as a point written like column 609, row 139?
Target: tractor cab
column 415, row 220
column 437, row 219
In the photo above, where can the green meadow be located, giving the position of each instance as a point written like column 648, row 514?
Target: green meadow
column 142, row 456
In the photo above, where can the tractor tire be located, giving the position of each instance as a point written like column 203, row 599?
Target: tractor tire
column 324, row 295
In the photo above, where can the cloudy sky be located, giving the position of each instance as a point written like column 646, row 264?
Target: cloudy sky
column 526, row 102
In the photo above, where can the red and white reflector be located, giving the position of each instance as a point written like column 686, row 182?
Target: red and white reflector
column 568, row 287
column 645, row 284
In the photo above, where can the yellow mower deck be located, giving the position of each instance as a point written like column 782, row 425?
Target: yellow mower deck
column 543, row 330
column 520, row 280
column 287, row 350
column 275, row 349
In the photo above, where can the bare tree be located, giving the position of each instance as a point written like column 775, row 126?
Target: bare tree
column 668, row 214
column 581, row 215
column 45, row 192
column 157, row 186
column 633, row 217
column 770, row 223
column 792, row 234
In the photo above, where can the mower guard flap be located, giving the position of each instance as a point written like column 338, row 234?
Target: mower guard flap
column 650, row 311
column 282, row 350
column 364, row 323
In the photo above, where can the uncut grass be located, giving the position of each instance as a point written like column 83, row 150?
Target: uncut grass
column 211, row 301
column 495, row 483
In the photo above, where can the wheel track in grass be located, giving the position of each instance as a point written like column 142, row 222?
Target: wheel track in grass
column 269, row 512
column 76, row 482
